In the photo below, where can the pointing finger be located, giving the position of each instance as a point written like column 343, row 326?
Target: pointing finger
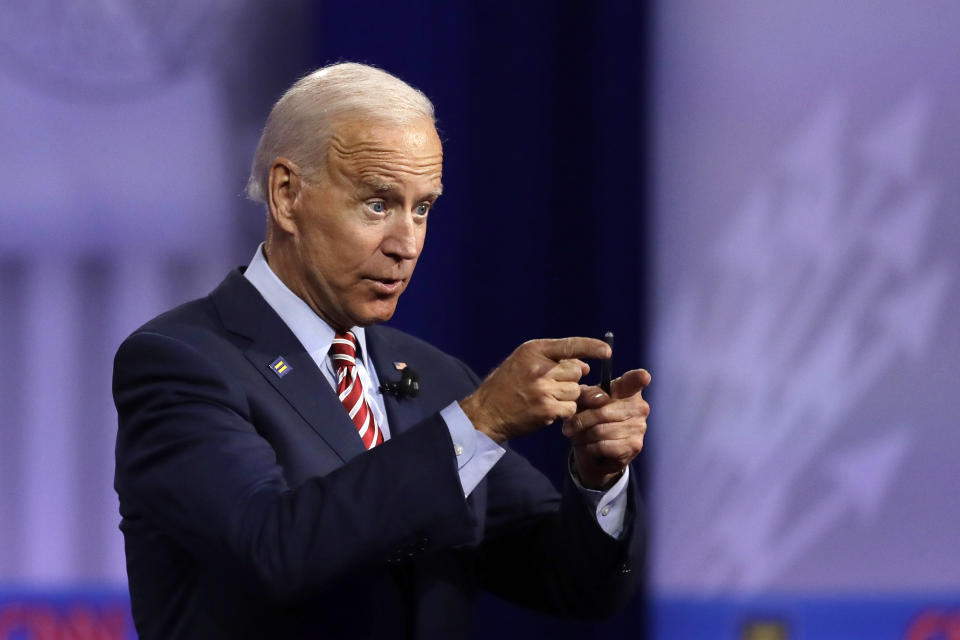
column 563, row 348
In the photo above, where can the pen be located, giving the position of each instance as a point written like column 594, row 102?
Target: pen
column 606, row 366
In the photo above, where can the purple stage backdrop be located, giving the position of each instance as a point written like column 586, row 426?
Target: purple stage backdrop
column 806, row 346
column 119, row 193
column 98, row 232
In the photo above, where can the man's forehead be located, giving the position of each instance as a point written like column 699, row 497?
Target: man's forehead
column 381, row 155
column 369, row 134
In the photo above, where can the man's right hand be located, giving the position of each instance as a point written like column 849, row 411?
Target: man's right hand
column 536, row 385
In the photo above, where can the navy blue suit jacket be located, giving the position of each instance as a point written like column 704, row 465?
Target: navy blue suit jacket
column 250, row 508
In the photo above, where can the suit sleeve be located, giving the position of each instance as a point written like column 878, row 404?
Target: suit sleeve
column 546, row 551
column 190, row 460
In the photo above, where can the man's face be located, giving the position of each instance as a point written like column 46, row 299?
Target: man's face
column 362, row 224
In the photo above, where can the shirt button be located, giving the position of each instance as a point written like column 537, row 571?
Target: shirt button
column 605, row 510
column 458, row 449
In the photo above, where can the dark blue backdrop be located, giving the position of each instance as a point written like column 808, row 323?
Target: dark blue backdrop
column 541, row 229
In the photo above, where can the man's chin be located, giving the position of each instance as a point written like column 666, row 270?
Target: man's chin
column 376, row 312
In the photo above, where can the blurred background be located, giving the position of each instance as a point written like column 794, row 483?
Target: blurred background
column 758, row 198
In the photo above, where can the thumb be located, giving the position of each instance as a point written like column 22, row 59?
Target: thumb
column 630, row 383
column 591, row 397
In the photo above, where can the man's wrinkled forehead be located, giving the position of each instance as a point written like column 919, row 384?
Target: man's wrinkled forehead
column 410, row 148
column 418, row 138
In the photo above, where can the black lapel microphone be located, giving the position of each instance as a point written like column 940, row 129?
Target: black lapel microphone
column 408, row 386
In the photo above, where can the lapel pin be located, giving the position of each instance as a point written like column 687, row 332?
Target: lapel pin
column 399, row 366
column 280, row 367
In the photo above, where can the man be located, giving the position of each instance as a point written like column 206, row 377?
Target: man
column 269, row 489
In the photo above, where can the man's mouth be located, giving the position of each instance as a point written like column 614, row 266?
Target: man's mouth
column 386, row 285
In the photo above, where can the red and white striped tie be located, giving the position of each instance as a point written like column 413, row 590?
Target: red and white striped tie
column 350, row 389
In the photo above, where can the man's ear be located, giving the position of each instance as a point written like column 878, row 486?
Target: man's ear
column 283, row 190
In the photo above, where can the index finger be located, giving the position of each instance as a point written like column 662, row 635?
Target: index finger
column 562, row 348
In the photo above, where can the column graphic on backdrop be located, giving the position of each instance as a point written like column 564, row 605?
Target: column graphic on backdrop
column 818, row 286
column 109, row 119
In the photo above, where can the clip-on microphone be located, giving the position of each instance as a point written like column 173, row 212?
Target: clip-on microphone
column 408, row 386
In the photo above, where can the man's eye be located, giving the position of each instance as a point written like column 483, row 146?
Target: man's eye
column 422, row 209
column 376, row 206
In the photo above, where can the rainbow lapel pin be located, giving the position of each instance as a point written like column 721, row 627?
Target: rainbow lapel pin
column 280, row 367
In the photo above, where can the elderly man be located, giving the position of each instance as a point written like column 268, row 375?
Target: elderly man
column 269, row 487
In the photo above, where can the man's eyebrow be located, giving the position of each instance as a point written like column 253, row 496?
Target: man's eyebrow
column 379, row 186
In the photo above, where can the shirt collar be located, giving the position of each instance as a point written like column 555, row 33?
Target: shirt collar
column 311, row 330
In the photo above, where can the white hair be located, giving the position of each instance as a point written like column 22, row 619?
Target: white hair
column 302, row 121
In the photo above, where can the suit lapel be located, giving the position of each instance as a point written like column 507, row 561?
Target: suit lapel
column 402, row 413
column 244, row 311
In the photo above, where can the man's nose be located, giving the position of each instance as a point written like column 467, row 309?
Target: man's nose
column 402, row 238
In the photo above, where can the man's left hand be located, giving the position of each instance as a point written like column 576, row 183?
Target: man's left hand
column 607, row 431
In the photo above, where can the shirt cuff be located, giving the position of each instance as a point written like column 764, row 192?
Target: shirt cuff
column 610, row 506
column 476, row 453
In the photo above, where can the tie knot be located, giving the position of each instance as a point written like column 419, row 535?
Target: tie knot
column 344, row 349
